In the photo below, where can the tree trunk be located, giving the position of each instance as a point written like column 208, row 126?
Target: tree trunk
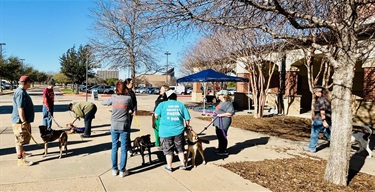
column 280, row 100
column 338, row 161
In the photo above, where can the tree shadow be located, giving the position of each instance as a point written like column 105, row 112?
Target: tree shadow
column 7, row 109
column 355, row 164
column 239, row 146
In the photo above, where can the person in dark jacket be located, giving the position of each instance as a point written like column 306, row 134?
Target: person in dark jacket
column 129, row 83
column 120, row 126
column 321, row 119
column 156, row 121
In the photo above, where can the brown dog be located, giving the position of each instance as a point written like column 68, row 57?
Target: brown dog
column 51, row 135
column 142, row 144
column 194, row 146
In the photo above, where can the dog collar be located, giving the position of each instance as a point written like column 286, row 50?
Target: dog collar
column 191, row 143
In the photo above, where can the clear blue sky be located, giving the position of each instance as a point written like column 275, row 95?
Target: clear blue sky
column 40, row 31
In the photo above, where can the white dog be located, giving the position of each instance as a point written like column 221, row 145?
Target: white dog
column 363, row 140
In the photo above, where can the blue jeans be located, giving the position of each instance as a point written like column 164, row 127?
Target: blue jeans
column 47, row 119
column 316, row 127
column 119, row 137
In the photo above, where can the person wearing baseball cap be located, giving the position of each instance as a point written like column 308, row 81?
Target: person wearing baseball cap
column 22, row 117
column 321, row 119
column 223, row 119
column 172, row 115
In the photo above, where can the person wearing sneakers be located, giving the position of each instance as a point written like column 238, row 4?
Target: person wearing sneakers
column 22, row 117
column 171, row 129
column 48, row 102
column 86, row 110
column 120, row 126
column 321, row 119
column 223, row 119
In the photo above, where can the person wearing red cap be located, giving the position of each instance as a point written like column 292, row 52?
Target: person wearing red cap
column 48, row 102
column 22, row 116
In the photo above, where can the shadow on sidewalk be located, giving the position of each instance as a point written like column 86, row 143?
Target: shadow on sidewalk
column 7, row 109
column 148, row 166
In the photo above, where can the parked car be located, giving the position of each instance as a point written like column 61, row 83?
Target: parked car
column 189, row 90
column 156, row 90
column 231, row 91
column 180, row 89
column 99, row 88
column 150, row 90
column 142, row 90
column 109, row 90
column 5, row 85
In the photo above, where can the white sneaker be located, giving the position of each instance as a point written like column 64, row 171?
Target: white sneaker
column 123, row 174
column 114, row 172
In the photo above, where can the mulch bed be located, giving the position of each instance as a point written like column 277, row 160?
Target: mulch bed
column 291, row 174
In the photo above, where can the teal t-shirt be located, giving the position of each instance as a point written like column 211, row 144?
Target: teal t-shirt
column 172, row 115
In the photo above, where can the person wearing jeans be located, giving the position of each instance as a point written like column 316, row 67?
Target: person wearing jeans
column 48, row 102
column 122, row 107
column 321, row 120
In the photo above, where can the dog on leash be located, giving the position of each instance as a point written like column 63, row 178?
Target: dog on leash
column 142, row 144
column 74, row 129
column 52, row 135
column 363, row 140
column 194, row 146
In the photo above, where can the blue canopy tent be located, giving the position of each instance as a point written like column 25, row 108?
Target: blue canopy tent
column 210, row 75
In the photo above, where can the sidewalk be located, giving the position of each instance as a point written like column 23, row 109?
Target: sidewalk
column 87, row 166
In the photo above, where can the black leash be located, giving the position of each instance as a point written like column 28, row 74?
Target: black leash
column 205, row 128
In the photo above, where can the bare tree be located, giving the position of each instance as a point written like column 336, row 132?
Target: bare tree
column 342, row 21
column 125, row 37
column 254, row 49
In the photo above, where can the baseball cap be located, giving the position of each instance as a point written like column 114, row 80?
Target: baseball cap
column 169, row 93
column 25, row 78
column 222, row 92
column 319, row 88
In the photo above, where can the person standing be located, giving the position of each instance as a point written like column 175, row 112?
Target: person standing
column 129, row 83
column 86, row 110
column 171, row 129
column 156, row 121
column 48, row 105
column 22, row 117
column 120, row 126
column 224, row 112
column 321, row 118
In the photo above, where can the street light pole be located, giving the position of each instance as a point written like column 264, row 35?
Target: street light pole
column 166, row 72
column 1, row 49
column 87, row 60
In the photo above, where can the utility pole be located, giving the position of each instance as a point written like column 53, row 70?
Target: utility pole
column 1, row 56
column 166, row 72
column 1, row 49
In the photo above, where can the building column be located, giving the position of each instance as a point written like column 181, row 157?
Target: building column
column 291, row 81
column 196, row 94
column 242, row 87
column 369, row 84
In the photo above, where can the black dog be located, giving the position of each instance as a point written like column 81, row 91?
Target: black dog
column 51, row 135
column 142, row 144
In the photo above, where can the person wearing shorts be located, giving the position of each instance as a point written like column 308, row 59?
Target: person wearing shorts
column 22, row 116
column 171, row 129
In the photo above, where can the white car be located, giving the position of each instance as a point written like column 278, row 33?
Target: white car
column 231, row 91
